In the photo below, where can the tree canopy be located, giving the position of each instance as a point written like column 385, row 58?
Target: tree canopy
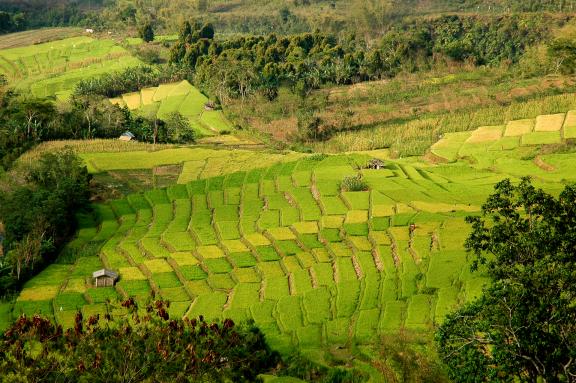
column 238, row 66
column 40, row 216
column 523, row 328
column 145, row 345
column 146, row 32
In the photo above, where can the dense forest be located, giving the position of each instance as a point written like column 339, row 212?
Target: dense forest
column 369, row 17
column 16, row 15
column 38, row 211
column 308, row 61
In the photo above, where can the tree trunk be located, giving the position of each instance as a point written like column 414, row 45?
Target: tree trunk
column 155, row 135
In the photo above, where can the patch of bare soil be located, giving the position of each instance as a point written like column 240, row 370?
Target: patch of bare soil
column 538, row 161
column 432, row 158
column 167, row 170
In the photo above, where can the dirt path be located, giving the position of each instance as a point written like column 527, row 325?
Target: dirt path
column 538, row 161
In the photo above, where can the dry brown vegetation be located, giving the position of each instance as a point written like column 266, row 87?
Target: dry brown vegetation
column 389, row 102
column 37, row 36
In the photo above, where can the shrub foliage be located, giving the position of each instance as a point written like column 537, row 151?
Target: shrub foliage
column 353, row 183
column 524, row 327
column 143, row 346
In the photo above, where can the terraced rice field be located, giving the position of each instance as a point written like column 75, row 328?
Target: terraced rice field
column 570, row 125
column 503, row 148
column 37, row 36
column 271, row 237
column 142, row 169
column 282, row 245
column 177, row 97
column 53, row 68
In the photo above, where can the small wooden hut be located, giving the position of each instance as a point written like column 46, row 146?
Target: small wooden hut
column 127, row 136
column 376, row 164
column 104, row 278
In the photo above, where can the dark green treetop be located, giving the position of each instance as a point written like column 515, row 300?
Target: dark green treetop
column 524, row 326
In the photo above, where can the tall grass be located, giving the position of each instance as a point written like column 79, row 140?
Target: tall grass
column 416, row 136
column 90, row 146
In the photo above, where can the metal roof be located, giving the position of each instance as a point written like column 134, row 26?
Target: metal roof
column 104, row 272
column 128, row 134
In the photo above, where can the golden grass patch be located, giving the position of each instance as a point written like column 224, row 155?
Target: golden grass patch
column 424, row 229
column 306, row 227
column 400, row 233
column 519, row 128
column 181, row 89
column 227, row 140
column 210, row 252
column 439, row 207
column 570, row 120
column 322, row 255
column 247, row 275
column 40, row 293
column 281, row 233
column 570, row 125
column 184, row 258
column 131, row 273
column 77, row 285
column 132, row 100
column 158, row 266
column 357, row 216
column 380, row 237
column 332, row 221
column 549, row 122
column 402, row 208
column 257, row 239
column 148, row 95
column 382, row 210
column 118, row 101
column 199, row 287
column 234, row 246
column 360, row 243
column 486, row 134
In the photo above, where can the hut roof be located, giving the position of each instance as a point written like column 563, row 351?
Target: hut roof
column 104, row 272
column 128, row 134
column 376, row 161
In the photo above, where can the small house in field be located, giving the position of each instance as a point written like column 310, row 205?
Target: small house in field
column 375, row 164
column 209, row 106
column 127, row 136
column 104, row 278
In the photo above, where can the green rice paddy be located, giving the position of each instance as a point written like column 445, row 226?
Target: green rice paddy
column 177, row 97
column 53, row 68
column 504, row 148
column 314, row 267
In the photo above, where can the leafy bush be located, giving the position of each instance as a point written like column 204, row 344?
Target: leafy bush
column 353, row 183
column 145, row 347
column 40, row 216
column 523, row 328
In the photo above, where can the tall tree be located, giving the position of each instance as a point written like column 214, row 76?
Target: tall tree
column 146, row 32
column 524, row 326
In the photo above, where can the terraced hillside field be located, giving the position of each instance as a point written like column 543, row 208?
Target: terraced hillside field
column 54, row 68
column 37, row 36
column 126, row 167
column 315, row 267
column 501, row 147
column 179, row 97
column 273, row 238
column 141, row 170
